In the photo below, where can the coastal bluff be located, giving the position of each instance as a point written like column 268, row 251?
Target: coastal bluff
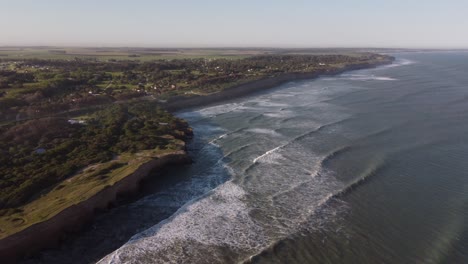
column 48, row 233
column 182, row 102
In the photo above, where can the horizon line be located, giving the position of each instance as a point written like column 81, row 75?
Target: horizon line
column 116, row 46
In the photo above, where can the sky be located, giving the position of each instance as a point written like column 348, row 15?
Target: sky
column 236, row 23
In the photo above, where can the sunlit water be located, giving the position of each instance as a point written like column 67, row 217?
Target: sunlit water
column 369, row 166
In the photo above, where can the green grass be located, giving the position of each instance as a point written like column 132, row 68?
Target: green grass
column 78, row 188
column 150, row 54
column 51, row 53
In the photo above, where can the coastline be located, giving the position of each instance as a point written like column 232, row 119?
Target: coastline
column 48, row 232
column 245, row 89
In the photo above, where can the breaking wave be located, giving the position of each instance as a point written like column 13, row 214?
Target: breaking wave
column 266, row 154
column 397, row 63
column 218, row 218
column 360, row 77
column 294, row 161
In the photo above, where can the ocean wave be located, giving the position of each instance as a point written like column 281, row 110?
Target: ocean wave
column 398, row 63
column 214, row 140
column 328, row 203
column 264, row 131
column 235, row 151
column 320, row 128
column 293, row 199
column 360, row 77
column 269, row 104
column 266, row 154
column 218, row 138
column 283, row 95
column 372, row 170
column 318, row 168
column 209, row 112
column 220, row 218
column 280, row 114
column 255, row 118
column 272, row 159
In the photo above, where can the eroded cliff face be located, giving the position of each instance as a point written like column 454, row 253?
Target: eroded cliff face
column 48, row 233
column 262, row 84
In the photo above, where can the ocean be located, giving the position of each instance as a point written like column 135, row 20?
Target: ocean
column 369, row 166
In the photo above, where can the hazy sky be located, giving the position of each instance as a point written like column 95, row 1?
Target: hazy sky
column 200, row 23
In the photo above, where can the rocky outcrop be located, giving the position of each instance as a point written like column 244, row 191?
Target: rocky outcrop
column 48, row 233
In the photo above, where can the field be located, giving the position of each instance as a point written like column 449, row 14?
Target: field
column 135, row 54
column 151, row 54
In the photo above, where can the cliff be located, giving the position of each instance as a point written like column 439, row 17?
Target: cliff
column 263, row 84
column 47, row 233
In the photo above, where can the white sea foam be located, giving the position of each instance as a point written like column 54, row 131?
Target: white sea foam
column 274, row 198
column 296, row 188
column 283, row 95
column 268, row 103
column 280, row 114
column 214, row 111
column 218, row 138
column 222, row 218
column 264, row 131
column 275, row 115
column 360, row 77
column 397, row 63
column 385, row 79
column 264, row 156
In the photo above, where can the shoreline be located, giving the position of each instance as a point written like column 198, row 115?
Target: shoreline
column 48, row 233
column 245, row 89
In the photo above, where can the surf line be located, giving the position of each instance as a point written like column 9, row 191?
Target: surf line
column 267, row 153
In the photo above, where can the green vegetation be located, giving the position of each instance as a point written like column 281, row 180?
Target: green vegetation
column 74, row 122
column 80, row 187
column 35, row 88
column 48, row 164
column 129, row 54
column 38, row 154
